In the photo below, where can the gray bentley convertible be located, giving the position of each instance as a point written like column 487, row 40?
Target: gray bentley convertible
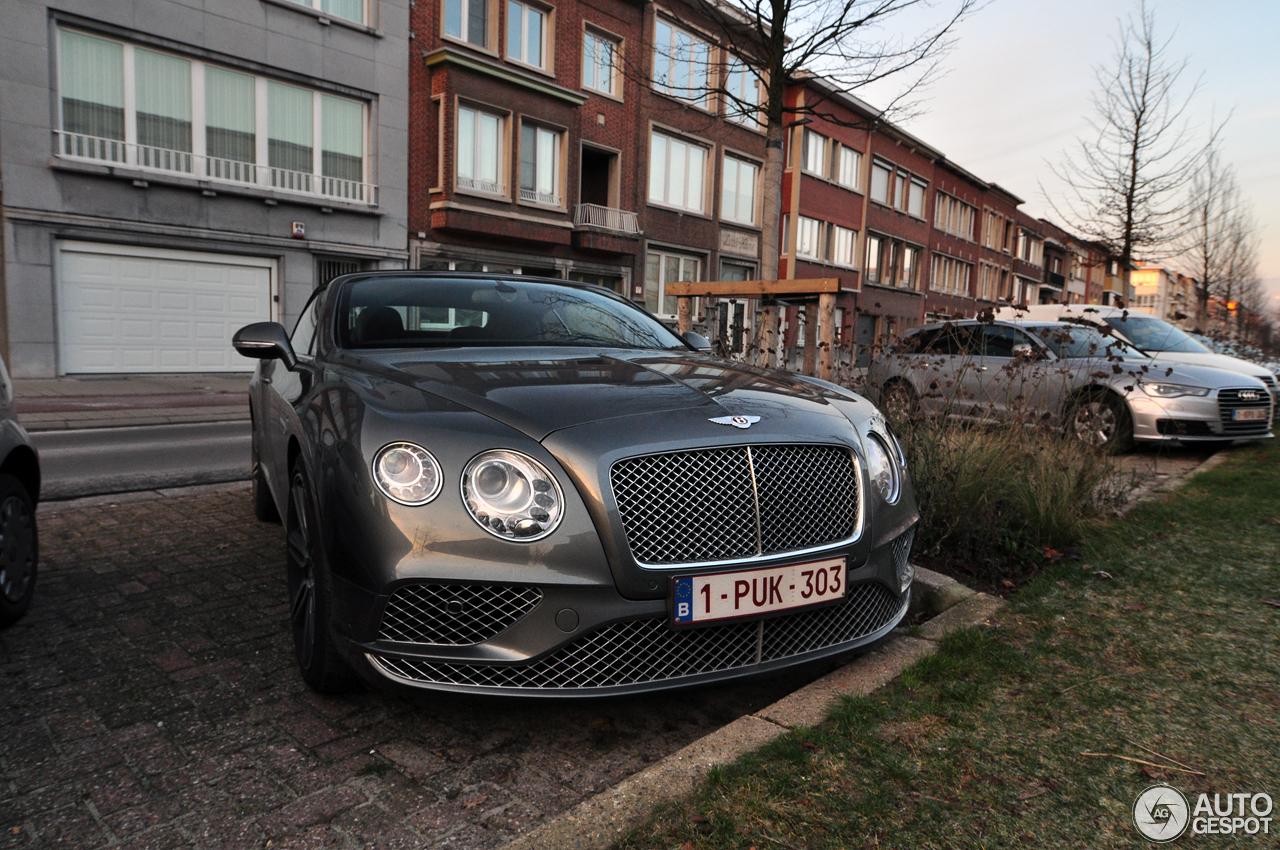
column 508, row 485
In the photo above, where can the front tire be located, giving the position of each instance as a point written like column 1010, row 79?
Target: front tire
column 1102, row 421
column 900, row 402
column 19, row 550
column 310, row 595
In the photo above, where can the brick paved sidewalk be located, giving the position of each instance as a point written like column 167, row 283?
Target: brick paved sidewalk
column 150, row 700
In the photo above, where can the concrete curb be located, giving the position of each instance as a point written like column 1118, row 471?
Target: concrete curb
column 45, row 508
column 604, row 819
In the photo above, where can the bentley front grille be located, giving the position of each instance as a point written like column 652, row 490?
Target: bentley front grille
column 1229, row 401
column 635, row 652
column 454, row 615
column 728, row 503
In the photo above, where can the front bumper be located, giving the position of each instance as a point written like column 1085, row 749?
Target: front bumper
column 620, row 646
column 1195, row 419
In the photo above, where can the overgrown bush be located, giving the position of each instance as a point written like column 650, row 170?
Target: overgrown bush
column 994, row 498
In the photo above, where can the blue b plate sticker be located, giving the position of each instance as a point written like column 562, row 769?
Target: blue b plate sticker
column 684, row 599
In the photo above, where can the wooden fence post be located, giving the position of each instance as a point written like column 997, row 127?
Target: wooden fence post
column 826, row 335
column 684, row 311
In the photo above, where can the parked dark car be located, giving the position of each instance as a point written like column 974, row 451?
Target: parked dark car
column 19, row 492
column 510, row 485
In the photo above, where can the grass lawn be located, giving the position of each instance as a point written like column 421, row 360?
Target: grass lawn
column 980, row 746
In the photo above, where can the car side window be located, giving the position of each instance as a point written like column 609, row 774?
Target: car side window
column 303, row 339
column 956, row 339
column 1000, row 340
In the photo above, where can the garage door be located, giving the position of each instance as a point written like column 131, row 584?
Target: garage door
column 125, row 309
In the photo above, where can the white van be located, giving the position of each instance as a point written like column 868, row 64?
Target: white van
column 1155, row 337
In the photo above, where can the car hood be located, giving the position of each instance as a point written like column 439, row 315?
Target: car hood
column 1211, row 359
column 539, row 391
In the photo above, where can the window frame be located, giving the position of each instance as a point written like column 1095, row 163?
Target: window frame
column 736, row 66
column 503, row 151
column 547, row 66
column 559, row 135
column 740, row 161
column 838, row 160
column 666, row 88
column 590, row 30
column 663, row 254
column 316, row 7
column 490, row 27
column 888, row 169
column 708, row 151
column 836, row 232
column 197, row 163
column 823, row 159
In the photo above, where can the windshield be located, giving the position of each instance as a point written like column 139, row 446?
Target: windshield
column 1152, row 334
column 437, row 312
column 1071, row 342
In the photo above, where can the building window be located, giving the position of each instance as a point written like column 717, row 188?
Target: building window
column 809, row 232
column 844, row 245
column 908, row 267
column 738, row 195
column 467, row 20
column 539, row 165
column 993, row 235
column 988, row 277
column 951, row 215
column 915, row 202
column 680, row 63
column 742, row 105
column 881, row 183
column 526, row 34
column 479, row 150
column 661, row 268
column 600, row 63
column 202, row 120
column 871, row 271
column 848, row 168
column 950, row 276
column 348, row 10
column 815, row 153
column 677, row 173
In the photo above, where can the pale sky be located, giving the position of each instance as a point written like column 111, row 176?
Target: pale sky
column 1017, row 87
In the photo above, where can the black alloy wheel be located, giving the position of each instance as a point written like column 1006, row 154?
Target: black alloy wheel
column 19, row 550
column 310, row 602
column 900, row 402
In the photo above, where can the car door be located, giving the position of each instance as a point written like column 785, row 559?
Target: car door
column 948, row 359
column 998, row 377
column 283, row 388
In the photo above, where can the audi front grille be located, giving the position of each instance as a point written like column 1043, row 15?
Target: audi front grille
column 1246, row 398
column 725, row 504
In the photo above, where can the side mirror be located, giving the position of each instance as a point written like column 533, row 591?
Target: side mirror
column 1023, row 351
column 697, row 340
column 265, row 341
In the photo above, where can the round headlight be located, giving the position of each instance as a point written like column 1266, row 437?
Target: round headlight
column 882, row 468
column 512, row 496
column 406, row 473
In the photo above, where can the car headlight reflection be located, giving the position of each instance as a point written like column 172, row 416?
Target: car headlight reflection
column 1172, row 390
column 407, row 473
column 883, row 469
column 512, row 496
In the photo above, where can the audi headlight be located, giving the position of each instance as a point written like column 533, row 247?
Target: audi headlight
column 882, row 468
column 407, row 473
column 1172, row 390
column 512, row 496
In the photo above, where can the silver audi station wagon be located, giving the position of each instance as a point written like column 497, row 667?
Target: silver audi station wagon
column 508, row 485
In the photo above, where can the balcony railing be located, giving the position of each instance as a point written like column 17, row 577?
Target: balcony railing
column 82, row 148
column 537, row 197
column 594, row 215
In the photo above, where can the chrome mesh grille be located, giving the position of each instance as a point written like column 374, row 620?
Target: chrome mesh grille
column 634, row 652
column 1230, row 401
column 454, row 614
column 902, row 549
column 726, row 503
column 808, row 495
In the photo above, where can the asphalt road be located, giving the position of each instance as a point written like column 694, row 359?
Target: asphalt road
column 95, row 461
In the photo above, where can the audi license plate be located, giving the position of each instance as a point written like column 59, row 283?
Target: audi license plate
column 1254, row 414
column 724, row 596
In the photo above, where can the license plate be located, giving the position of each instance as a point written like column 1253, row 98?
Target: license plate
column 725, row 596
column 1256, row 414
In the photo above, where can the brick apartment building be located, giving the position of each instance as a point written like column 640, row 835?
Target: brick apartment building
column 561, row 141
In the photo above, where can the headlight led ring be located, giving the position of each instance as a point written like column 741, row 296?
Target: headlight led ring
column 512, row 496
column 882, row 466
column 407, row 473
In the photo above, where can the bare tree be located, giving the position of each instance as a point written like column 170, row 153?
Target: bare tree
column 1207, row 235
column 845, row 45
column 1125, row 185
